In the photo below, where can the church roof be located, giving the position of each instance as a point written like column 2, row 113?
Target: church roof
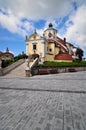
column 8, row 53
column 63, row 56
column 59, row 42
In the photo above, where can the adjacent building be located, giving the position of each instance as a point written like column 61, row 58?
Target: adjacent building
column 7, row 55
column 50, row 47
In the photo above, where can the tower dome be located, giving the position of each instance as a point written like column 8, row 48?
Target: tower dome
column 50, row 32
column 50, row 25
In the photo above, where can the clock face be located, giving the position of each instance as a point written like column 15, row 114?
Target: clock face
column 50, row 34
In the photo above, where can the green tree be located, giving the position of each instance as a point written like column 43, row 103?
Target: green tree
column 79, row 53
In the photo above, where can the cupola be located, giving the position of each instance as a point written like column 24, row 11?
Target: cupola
column 50, row 32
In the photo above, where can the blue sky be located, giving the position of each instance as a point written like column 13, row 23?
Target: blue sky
column 20, row 18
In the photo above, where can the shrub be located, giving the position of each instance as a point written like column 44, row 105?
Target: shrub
column 63, row 64
column 20, row 56
column 6, row 63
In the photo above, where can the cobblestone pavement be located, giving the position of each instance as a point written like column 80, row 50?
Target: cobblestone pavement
column 49, row 102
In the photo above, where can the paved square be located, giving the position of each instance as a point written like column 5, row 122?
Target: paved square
column 48, row 102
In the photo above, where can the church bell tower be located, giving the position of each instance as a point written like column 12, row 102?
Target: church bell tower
column 50, row 32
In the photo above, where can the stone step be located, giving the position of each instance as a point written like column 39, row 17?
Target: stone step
column 17, row 72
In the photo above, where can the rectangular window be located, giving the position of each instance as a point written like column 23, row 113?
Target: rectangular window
column 34, row 47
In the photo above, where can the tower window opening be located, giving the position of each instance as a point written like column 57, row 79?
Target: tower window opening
column 50, row 34
column 50, row 49
column 34, row 47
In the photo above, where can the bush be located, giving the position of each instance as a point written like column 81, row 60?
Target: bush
column 63, row 64
column 6, row 63
column 20, row 56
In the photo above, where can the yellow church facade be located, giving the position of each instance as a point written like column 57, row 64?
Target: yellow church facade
column 35, row 47
column 49, row 47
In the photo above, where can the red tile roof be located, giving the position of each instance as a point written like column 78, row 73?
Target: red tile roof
column 8, row 53
column 50, row 40
column 63, row 56
column 60, row 43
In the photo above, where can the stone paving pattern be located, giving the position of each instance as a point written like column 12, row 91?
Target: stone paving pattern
column 27, row 103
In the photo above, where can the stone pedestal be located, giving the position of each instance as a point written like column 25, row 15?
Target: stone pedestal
column 28, row 72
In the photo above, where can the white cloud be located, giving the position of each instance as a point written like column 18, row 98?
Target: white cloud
column 16, row 10
column 77, row 31
column 36, row 9
column 15, row 25
column 9, row 21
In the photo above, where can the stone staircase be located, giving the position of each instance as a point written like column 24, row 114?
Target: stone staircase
column 17, row 72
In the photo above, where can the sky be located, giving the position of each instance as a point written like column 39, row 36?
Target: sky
column 19, row 18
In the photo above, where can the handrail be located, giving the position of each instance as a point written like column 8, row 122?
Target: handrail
column 34, row 63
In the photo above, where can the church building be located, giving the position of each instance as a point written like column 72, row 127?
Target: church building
column 49, row 47
column 7, row 55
